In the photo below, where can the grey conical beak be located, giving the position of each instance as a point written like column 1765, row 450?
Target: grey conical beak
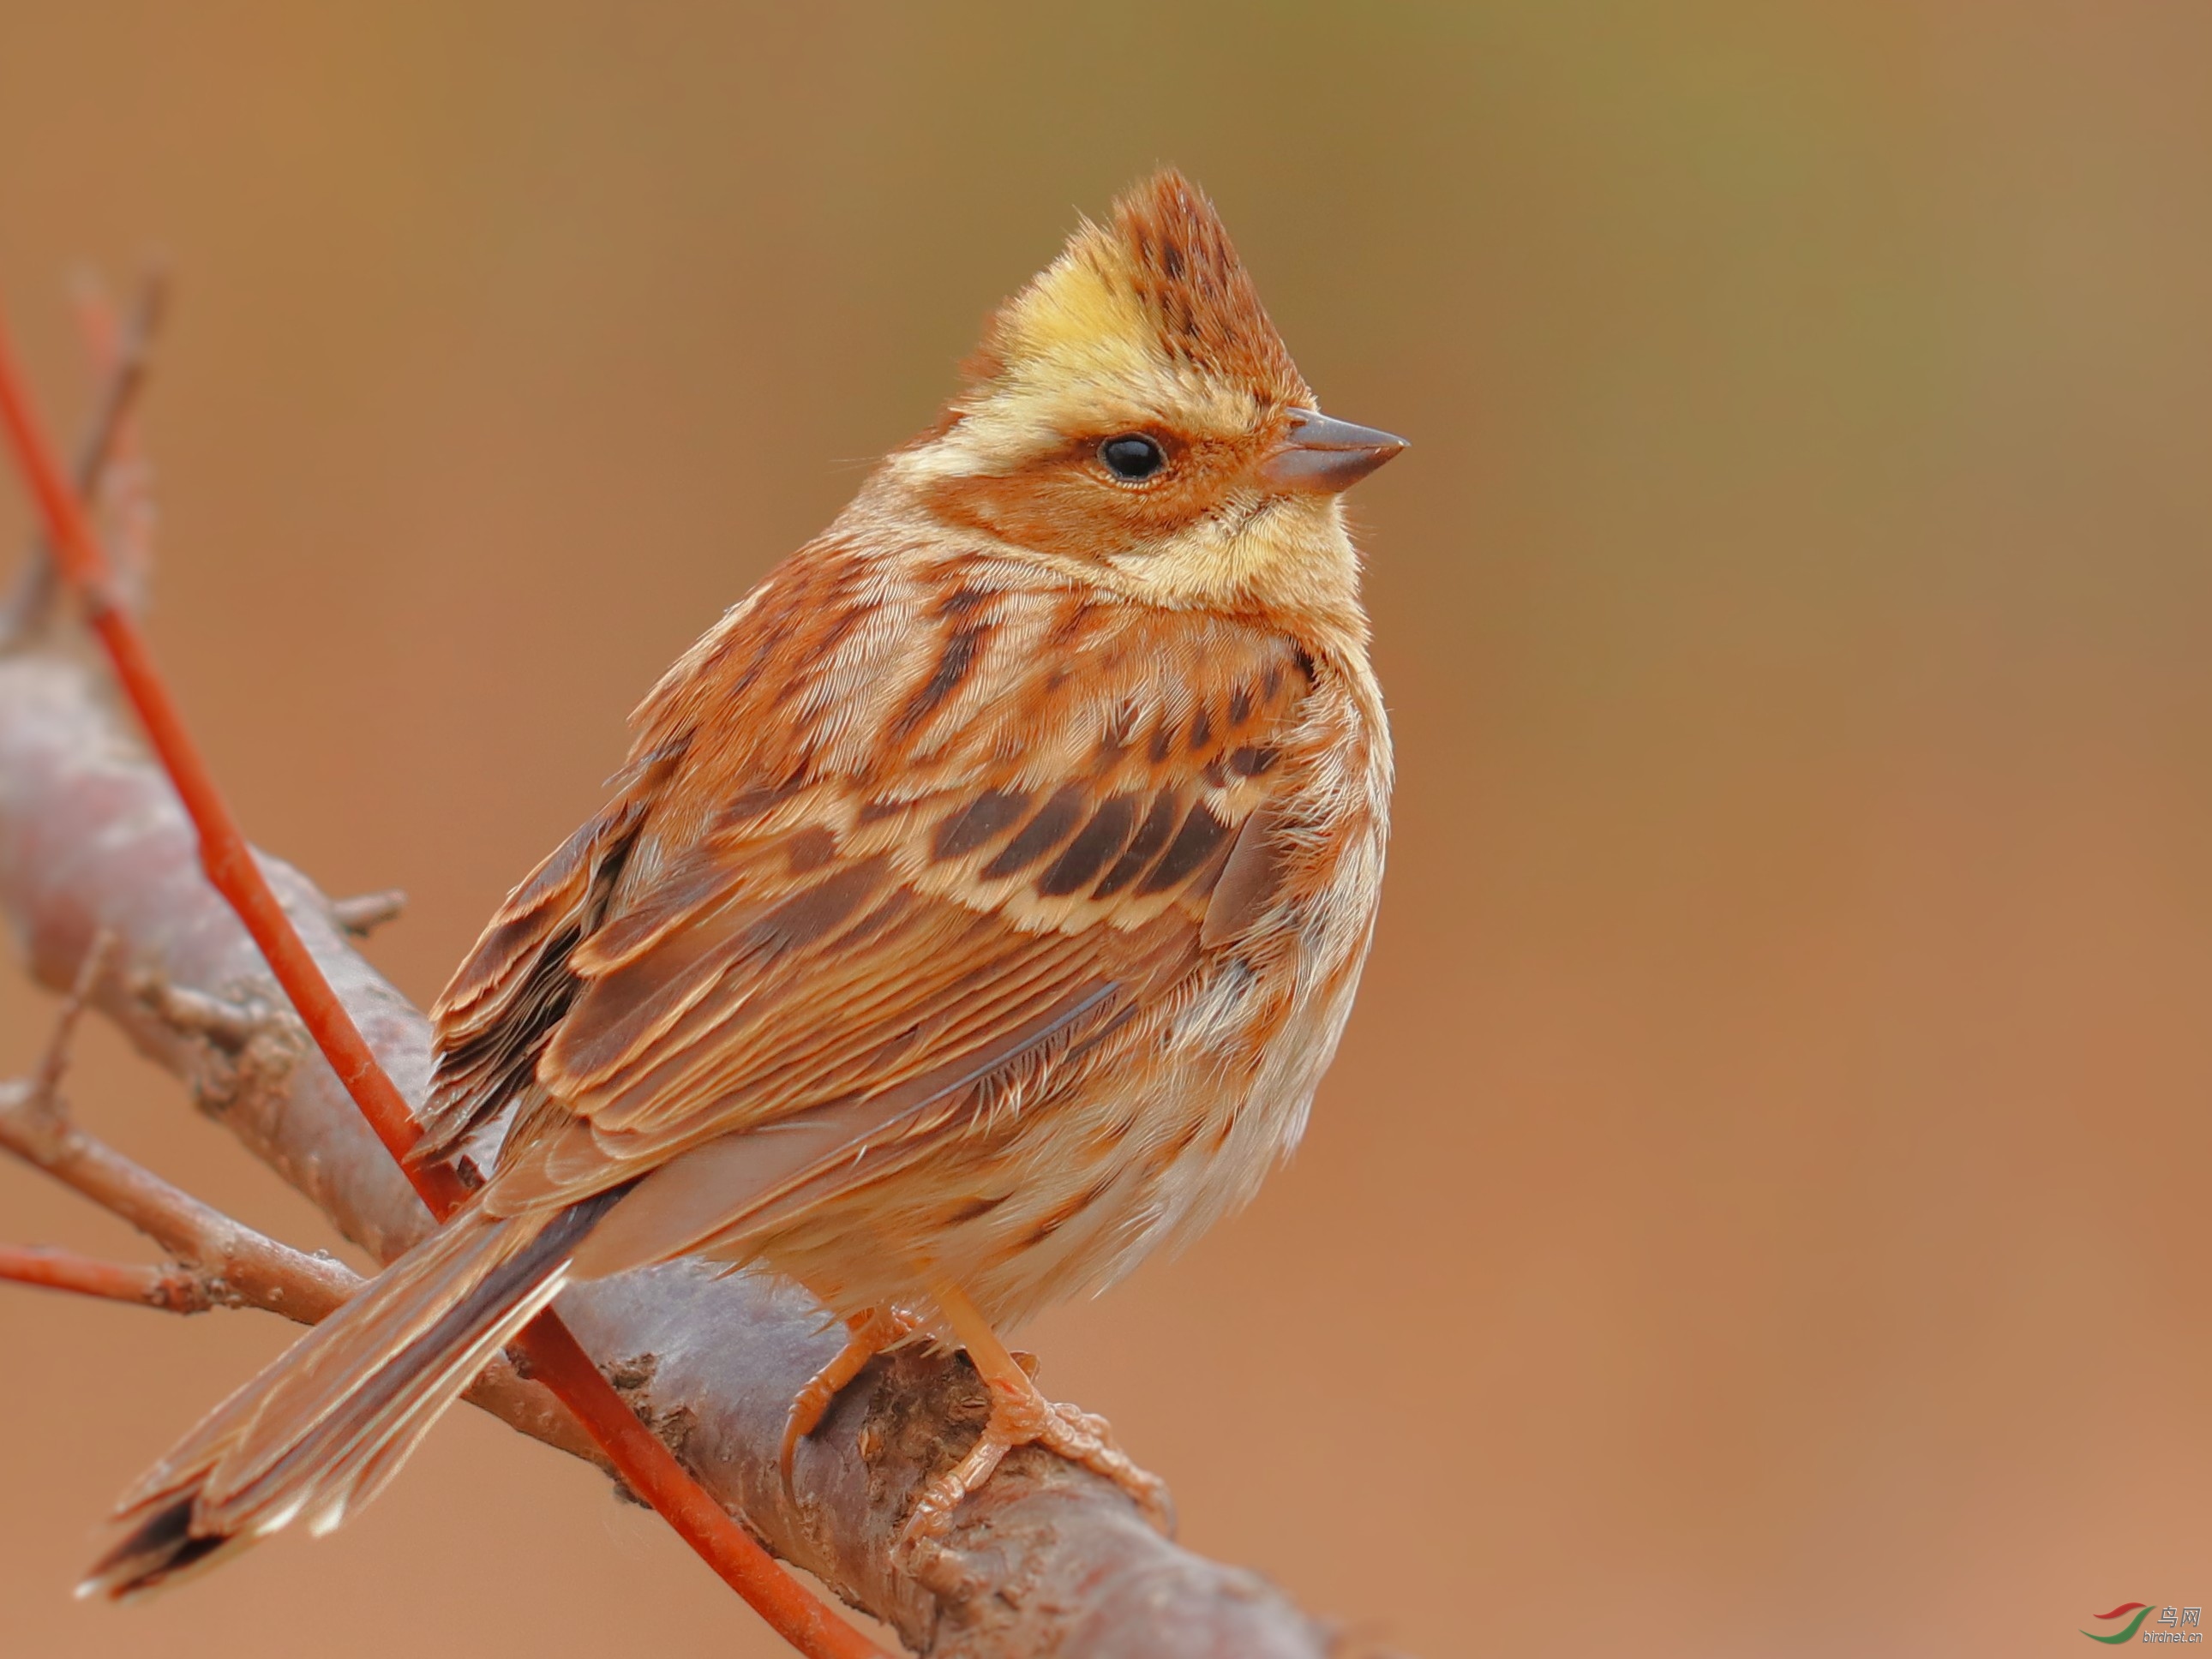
column 1324, row 455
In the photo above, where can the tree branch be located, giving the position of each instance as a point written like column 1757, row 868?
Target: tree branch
column 364, row 913
column 121, row 355
column 215, row 1262
column 178, row 1290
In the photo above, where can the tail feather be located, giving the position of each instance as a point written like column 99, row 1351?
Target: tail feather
column 323, row 1429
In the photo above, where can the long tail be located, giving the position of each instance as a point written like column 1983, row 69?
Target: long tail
column 322, row 1429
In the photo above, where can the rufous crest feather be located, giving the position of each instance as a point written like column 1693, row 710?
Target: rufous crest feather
column 1159, row 287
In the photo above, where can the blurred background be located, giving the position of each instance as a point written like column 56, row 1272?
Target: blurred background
column 1761, row 1202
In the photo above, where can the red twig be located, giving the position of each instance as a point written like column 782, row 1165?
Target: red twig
column 647, row 1465
column 116, row 1281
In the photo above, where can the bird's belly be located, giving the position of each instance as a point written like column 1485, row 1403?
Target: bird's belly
column 1143, row 1150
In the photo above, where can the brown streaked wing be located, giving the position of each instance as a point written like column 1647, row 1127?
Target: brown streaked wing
column 756, row 1023
column 816, row 1044
column 836, row 982
column 502, row 1003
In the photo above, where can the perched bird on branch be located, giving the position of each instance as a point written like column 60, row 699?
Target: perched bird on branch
column 975, row 914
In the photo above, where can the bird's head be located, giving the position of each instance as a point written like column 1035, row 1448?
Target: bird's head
column 1134, row 417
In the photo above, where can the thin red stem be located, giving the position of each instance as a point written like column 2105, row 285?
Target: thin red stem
column 649, row 1466
column 84, row 1275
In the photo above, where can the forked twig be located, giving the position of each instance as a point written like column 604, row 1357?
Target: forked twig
column 215, row 1262
column 123, row 356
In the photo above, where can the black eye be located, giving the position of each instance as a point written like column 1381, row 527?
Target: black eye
column 1132, row 456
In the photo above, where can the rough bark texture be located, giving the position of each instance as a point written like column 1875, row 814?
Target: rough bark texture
column 1047, row 1559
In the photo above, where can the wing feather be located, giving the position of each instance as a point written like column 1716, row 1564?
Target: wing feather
column 503, row 1004
column 760, row 977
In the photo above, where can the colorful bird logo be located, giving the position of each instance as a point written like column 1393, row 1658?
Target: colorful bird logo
column 2141, row 1611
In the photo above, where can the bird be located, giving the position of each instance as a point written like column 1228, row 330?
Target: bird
column 978, row 908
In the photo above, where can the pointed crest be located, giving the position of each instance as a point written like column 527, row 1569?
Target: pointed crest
column 1159, row 287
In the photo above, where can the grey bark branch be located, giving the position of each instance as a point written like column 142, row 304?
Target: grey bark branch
column 223, row 1262
column 1048, row 1558
column 215, row 1262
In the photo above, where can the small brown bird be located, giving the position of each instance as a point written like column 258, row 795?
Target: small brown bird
column 975, row 914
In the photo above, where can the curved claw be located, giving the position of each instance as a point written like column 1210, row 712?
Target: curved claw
column 1086, row 1438
column 871, row 1334
column 1021, row 1416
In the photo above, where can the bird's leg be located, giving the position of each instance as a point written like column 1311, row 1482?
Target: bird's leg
column 1021, row 1416
column 870, row 1334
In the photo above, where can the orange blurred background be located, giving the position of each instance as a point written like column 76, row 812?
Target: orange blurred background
column 1761, row 1203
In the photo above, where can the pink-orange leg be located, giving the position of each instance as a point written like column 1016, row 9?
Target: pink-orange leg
column 871, row 1332
column 1021, row 1416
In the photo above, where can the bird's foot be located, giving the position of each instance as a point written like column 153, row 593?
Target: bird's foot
column 1021, row 1416
column 869, row 1334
